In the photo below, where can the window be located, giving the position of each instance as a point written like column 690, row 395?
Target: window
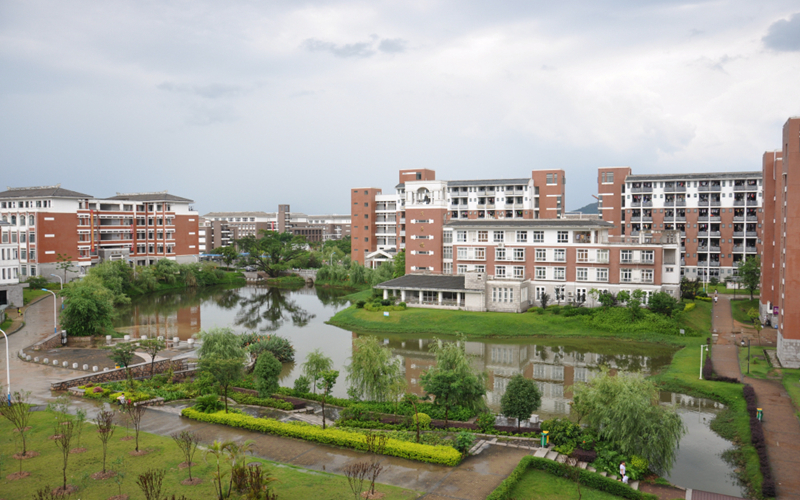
column 498, row 236
column 522, row 236
column 626, row 256
column 560, row 255
column 499, row 254
column 480, row 254
column 602, row 274
column 647, row 276
column 541, row 273
column 502, row 294
column 519, row 272
column 538, row 236
column 559, row 273
column 461, row 236
column 32, row 238
column 559, row 293
column 552, row 178
column 582, row 274
column 483, row 236
column 625, row 276
column 461, row 269
column 447, row 237
column 563, row 236
column 462, row 253
column 583, row 255
column 580, row 295
column 480, row 268
column 447, row 252
column 499, row 271
column 540, row 290
column 519, row 254
column 602, row 256
column 648, row 256
column 447, row 267
column 609, row 177
column 541, row 255
column 31, row 220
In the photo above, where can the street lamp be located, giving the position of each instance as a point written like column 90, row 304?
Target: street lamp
column 702, row 348
column 59, row 279
column 8, row 368
column 55, row 304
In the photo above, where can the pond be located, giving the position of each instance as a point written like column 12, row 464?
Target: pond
column 556, row 364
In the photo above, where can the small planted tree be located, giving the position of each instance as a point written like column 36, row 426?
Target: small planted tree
column 750, row 274
column 64, row 442
column 635, row 304
column 266, row 374
column 64, row 263
column 356, row 474
column 217, row 449
column 222, row 357
column 755, row 317
column 372, row 369
column 135, row 412
column 316, row 362
column 376, row 445
column 413, row 400
column 123, row 355
column 105, row 430
column 18, row 413
column 544, row 299
column 328, row 379
column 119, row 471
column 152, row 347
column 78, row 422
column 521, row 399
column 150, row 482
column 187, row 441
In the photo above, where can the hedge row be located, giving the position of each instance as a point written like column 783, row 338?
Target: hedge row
column 708, row 373
column 586, row 478
column 445, row 455
column 759, row 442
column 249, row 399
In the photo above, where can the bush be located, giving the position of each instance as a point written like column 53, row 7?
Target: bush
column 266, row 373
column 555, row 309
column 209, row 404
column 360, row 304
column 534, row 309
column 702, row 294
column 424, row 421
column 540, row 310
column 403, row 305
column 302, row 384
column 689, row 306
column 464, row 441
column 584, row 455
column 486, row 422
column 247, row 399
column 704, row 299
column 445, row 455
column 562, row 432
column 280, row 347
column 759, row 442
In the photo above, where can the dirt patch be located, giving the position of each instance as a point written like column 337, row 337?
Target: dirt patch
column 126, row 438
column 26, row 429
column 184, row 465
column 118, row 497
column 54, row 437
column 17, row 475
column 77, row 450
column 661, row 491
column 28, row 454
column 139, row 453
column 191, row 482
column 372, row 496
column 101, row 476
column 61, row 491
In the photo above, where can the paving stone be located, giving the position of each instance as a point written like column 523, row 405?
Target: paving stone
column 551, row 455
column 604, row 473
column 540, row 453
column 635, row 485
column 582, row 465
column 561, row 458
column 591, row 469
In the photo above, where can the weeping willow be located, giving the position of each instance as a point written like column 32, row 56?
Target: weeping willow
column 372, row 370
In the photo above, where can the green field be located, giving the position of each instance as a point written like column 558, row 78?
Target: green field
column 791, row 381
column 739, row 309
column 540, row 485
column 760, row 366
column 46, row 469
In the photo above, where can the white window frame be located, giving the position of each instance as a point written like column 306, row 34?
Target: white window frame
column 538, row 236
column 519, row 272
column 563, row 237
column 541, row 273
column 560, row 255
column 499, row 253
column 518, row 254
column 541, row 255
column 522, row 236
column 582, row 274
column 498, row 236
column 559, row 273
column 626, row 273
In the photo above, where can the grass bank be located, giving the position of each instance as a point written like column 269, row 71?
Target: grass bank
column 791, row 381
column 229, row 278
column 739, row 308
column 31, row 294
column 539, row 485
column 760, row 366
column 45, row 469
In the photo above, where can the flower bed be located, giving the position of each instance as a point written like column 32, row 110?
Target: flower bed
column 445, row 455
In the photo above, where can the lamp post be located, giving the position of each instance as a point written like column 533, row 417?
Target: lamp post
column 702, row 348
column 59, row 279
column 8, row 368
column 55, row 307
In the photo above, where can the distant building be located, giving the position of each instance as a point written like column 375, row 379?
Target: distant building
column 10, row 289
column 140, row 228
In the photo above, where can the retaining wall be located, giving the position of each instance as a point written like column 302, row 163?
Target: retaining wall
column 140, row 370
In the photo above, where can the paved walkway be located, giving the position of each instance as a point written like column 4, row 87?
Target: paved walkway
column 781, row 427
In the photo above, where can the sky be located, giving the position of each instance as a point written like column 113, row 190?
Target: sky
column 242, row 105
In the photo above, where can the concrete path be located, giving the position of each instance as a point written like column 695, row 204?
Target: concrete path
column 781, row 426
column 473, row 479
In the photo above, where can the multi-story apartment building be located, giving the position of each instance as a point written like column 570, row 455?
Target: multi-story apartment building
column 382, row 224
column 220, row 229
column 508, row 265
column 10, row 289
column 780, row 263
column 719, row 215
column 49, row 224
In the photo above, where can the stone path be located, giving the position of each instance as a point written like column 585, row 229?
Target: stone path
column 781, row 427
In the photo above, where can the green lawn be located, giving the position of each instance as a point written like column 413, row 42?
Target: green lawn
column 6, row 324
column 728, row 291
column 540, row 485
column 791, row 381
column 29, row 294
column 759, row 365
column 739, row 309
column 698, row 318
column 46, row 468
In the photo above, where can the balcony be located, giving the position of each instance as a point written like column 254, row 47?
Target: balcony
column 738, row 218
column 675, row 189
column 642, row 190
column 702, row 234
column 753, row 218
column 738, row 234
column 680, row 203
column 636, row 203
column 750, row 249
column 714, row 249
column 738, row 203
column 716, row 203
column 647, row 203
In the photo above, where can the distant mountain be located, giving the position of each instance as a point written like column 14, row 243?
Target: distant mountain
column 591, row 208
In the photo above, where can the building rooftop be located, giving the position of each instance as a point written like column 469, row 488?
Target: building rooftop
column 155, row 196
column 239, row 214
column 425, row 282
column 683, row 177
column 530, row 223
column 41, row 192
column 490, row 182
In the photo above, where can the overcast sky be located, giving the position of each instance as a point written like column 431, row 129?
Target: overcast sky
column 245, row 105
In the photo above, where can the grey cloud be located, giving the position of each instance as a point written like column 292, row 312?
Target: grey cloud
column 392, row 45
column 210, row 91
column 361, row 49
column 784, row 35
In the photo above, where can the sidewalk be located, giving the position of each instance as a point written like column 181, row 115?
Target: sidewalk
column 781, row 427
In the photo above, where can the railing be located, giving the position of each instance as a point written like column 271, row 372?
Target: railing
column 738, row 218
column 647, row 203
column 646, row 218
column 713, row 249
column 702, row 234
column 738, row 234
column 738, row 203
column 715, row 203
column 752, row 217
column 636, row 203
column 642, row 190
column 750, row 249
column 669, row 262
column 680, row 203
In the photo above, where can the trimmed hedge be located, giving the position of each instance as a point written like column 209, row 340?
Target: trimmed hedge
column 708, row 373
column 759, row 442
column 586, row 478
column 445, row 455
column 248, row 399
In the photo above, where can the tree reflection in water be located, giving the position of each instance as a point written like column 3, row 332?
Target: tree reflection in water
column 272, row 307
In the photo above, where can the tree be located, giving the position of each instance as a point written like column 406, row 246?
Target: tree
column 372, row 369
column 88, row 308
column 635, row 303
column 400, row 264
column 625, row 410
column 152, row 347
column 273, row 252
column 18, row 413
column 755, row 317
column 452, row 381
column 413, row 400
column 217, row 449
column 222, row 356
column 64, row 262
column 663, row 303
column 135, row 413
column 187, row 442
column 623, row 296
column 316, row 363
column 266, row 373
column 150, row 483
column 521, row 399
column 63, row 441
column 356, row 474
column 328, row 380
column 123, row 355
column 607, row 299
column 690, row 288
column 105, row 429
column 750, row 274
column 228, row 254
column 544, row 299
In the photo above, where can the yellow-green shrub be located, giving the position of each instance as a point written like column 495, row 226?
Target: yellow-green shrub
column 421, row 452
column 424, row 420
column 689, row 306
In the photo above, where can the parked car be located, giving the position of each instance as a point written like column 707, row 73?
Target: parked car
column 250, row 269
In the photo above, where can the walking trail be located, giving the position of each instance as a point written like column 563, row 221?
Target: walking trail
column 781, row 426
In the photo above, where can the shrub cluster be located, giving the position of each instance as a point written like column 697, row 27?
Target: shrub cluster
column 584, row 455
column 247, row 399
column 280, row 347
column 445, row 455
column 704, row 299
column 586, row 478
column 689, row 306
column 759, row 442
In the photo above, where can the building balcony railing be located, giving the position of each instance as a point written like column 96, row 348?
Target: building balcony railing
column 738, row 218
column 636, row 203
column 642, row 190
column 669, row 262
column 716, row 203
column 702, row 234
column 647, row 218
column 675, row 189
column 708, row 263
column 738, row 203
column 636, row 261
column 750, row 249
column 713, row 248
column 680, row 203
column 752, row 218
column 738, row 234
column 738, row 248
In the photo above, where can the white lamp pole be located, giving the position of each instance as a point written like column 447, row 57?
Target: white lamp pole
column 59, row 279
column 701, row 360
column 8, row 368
column 55, row 307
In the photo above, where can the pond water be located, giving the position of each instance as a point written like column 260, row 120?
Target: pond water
column 300, row 316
